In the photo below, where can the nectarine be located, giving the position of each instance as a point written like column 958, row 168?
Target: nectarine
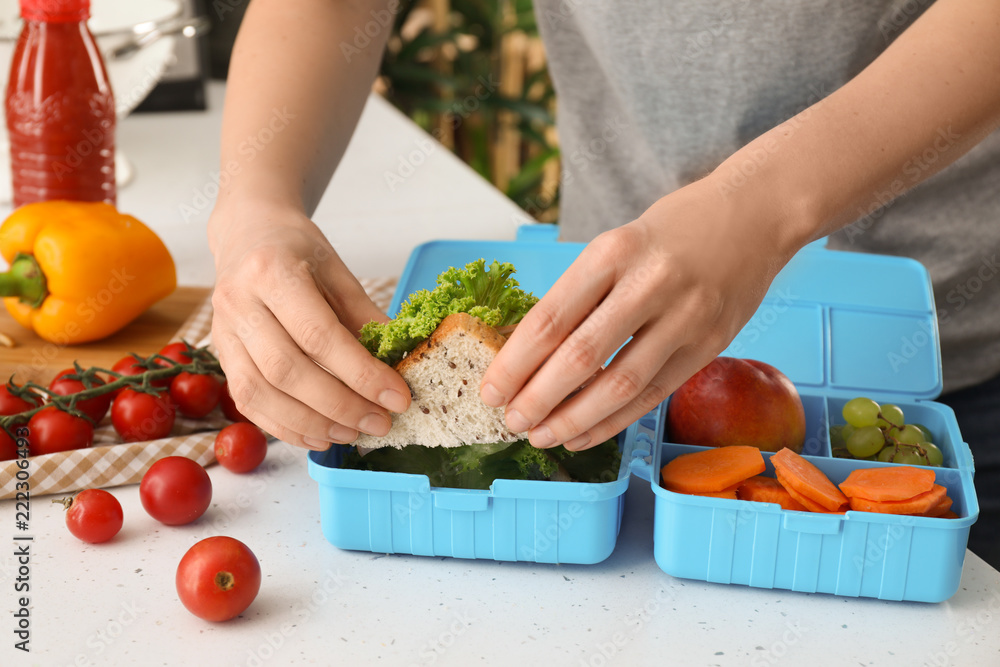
column 737, row 402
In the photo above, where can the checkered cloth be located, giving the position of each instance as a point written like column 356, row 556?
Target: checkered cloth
column 110, row 462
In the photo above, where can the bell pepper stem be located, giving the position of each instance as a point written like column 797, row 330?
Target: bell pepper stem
column 24, row 280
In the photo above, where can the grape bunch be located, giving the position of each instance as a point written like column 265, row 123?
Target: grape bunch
column 876, row 432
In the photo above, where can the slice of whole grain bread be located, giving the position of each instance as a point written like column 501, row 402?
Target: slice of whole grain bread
column 444, row 373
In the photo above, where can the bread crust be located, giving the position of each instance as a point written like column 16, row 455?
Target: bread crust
column 454, row 323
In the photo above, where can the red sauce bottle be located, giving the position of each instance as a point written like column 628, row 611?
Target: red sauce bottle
column 60, row 108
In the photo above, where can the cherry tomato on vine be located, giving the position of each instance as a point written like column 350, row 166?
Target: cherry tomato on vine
column 95, row 407
column 8, row 446
column 240, row 447
column 93, row 515
column 11, row 404
column 195, row 395
column 175, row 490
column 52, row 430
column 218, row 578
column 129, row 366
column 229, row 409
column 138, row 416
column 178, row 352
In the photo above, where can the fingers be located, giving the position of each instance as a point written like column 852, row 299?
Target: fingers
column 277, row 413
column 541, row 332
column 623, row 392
column 308, row 322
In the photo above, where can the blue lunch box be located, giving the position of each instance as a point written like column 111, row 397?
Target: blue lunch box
column 838, row 324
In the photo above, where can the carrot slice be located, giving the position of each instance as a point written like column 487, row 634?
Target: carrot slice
column 762, row 489
column 807, row 502
column 940, row 507
column 807, row 480
column 713, row 469
column 916, row 505
column 949, row 515
column 727, row 493
column 896, row 483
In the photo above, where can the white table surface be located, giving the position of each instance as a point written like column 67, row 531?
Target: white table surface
column 115, row 603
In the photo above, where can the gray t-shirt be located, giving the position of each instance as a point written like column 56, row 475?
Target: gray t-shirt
column 654, row 94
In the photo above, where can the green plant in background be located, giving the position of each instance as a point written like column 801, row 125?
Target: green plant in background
column 473, row 75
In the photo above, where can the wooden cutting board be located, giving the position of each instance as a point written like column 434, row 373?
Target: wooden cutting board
column 35, row 359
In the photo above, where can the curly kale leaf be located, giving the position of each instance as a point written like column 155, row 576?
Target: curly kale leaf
column 490, row 294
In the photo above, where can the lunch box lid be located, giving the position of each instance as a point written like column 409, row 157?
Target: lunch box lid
column 844, row 323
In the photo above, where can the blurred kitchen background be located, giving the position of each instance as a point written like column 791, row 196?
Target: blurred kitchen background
column 471, row 72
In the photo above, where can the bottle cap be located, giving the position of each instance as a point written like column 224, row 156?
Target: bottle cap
column 55, row 11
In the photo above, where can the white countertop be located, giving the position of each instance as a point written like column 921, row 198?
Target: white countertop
column 115, row 603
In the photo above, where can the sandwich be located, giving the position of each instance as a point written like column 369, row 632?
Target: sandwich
column 441, row 343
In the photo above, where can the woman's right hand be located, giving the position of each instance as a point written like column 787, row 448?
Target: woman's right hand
column 287, row 314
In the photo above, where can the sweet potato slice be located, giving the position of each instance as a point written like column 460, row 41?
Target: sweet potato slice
column 916, row 505
column 942, row 506
column 727, row 493
column 895, row 483
column 762, row 489
column 712, row 470
column 808, row 480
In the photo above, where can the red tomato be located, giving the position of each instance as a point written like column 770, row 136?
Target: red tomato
column 95, row 408
column 240, row 447
column 11, row 404
column 8, row 446
column 175, row 490
column 138, row 416
column 229, row 409
column 175, row 351
column 94, row 516
column 218, row 578
column 129, row 366
column 194, row 394
column 52, row 430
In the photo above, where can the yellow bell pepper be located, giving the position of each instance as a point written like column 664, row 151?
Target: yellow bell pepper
column 80, row 271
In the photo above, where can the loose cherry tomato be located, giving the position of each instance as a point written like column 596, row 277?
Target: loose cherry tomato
column 195, row 395
column 12, row 405
column 218, row 578
column 52, row 430
column 178, row 352
column 95, row 407
column 229, row 409
column 138, row 416
column 93, row 515
column 240, row 447
column 175, row 490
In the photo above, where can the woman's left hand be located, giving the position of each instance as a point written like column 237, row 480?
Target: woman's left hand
column 680, row 281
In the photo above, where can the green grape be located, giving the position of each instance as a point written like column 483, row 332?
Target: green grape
column 836, row 436
column 887, row 454
column 908, row 455
column 861, row 411
column 935, row 456
column 866, row 441
column 846, row 431
column 908, row 435
column 891, row 415
column 927, row 432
